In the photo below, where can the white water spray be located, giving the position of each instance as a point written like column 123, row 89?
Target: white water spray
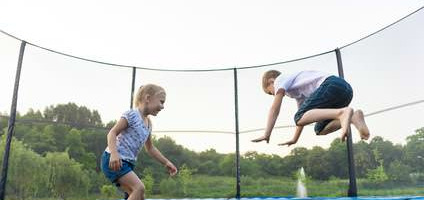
column 301, row 189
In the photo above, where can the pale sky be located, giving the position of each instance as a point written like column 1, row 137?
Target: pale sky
column 209, row 35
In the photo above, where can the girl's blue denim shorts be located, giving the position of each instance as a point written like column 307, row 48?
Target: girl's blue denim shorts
column 113, row 176
column 334, row 92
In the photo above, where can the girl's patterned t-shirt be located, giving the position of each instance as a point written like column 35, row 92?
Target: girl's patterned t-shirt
column 132, row 139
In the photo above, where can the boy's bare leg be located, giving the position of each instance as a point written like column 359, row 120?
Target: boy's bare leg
column 344, row 115
column 359, row 122
column 334, row 125
column 131, row 184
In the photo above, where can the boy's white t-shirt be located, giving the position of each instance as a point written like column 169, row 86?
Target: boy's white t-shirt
column 300, row 85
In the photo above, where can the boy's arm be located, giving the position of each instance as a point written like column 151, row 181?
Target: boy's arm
column 295, row 137
column 272, row 116
column 155, row 153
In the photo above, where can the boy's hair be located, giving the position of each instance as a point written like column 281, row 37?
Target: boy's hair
column 268, row 75
column 148, row 89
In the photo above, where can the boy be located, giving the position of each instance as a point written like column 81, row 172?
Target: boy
column 321, row 98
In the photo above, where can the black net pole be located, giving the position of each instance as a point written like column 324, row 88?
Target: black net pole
column 237, row 134
column 352, row 191
column 11, row 124
column 132, row 86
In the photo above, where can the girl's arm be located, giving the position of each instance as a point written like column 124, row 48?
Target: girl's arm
column 272, row 116
column 115, row 162
column 155, row 153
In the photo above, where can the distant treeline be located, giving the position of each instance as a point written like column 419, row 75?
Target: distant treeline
column 56, row 152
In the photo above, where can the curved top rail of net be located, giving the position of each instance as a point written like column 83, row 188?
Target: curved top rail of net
column 217, row 69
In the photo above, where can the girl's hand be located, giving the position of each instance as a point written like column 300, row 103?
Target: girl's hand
column 171, row 168
column 260, row 139
column 115, row 162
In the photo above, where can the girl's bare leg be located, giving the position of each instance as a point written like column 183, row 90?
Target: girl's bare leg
column 131, row 184
column 344, row 115
column 359, row 122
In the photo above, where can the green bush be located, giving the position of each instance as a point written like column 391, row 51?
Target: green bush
column 170, row 188
column 377, row 175
column 107, row 190
column 399, row 172
column 148, row 181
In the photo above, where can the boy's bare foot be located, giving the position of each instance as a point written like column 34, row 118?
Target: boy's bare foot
column 359, row 122
column 345, row 119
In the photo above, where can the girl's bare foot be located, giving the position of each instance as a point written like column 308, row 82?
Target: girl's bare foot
column 359, row 122
column 345, row 119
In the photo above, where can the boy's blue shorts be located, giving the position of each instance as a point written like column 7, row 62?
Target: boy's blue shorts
column 334, row 92
column 113, row 176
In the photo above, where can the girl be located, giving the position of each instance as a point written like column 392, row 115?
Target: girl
column 128, row 135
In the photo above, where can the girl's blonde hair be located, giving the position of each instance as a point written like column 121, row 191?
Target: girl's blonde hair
column 268, row 75
column 148, row 89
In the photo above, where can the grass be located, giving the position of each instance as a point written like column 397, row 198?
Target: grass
column 225, row 187
column 221, row 187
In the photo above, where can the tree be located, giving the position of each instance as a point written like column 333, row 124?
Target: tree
column 337, row 158
column 108, row 190
column 76, row 149
column 177, row 153
column 377, row 175
column 227, row 165
column 32, row 115
column 384, row 151
column 317, row 164
column 207, row 162
column 148, row 180
column 94, row 141
column 399, row 172
column 66, row 176
column 249, row 166
column 72, row 114
column 364, row 158
column 295, row 160
column 254, row 164
column 414, row 151
column 26, row 176
column 3, row 123
column 41, row 141
column 184, row 178
column 170, row 187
